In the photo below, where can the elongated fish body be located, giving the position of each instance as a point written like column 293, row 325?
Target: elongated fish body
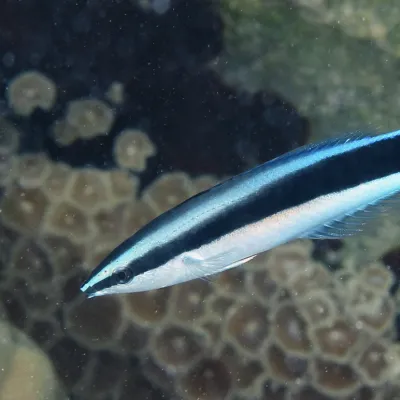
column 327, row 190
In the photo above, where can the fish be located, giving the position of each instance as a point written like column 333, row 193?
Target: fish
column 328, row 190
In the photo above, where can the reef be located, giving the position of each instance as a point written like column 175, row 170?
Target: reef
column 141, row 124
column 335, row 60
column 87, row 158
column 26, row 372
column 85, row 119
column 31, row 90
column 159, row 77
column 365, row 20
column 131, row 150
column 284, row 325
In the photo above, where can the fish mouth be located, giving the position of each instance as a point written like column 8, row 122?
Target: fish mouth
column 88, row 290
column 93, row 289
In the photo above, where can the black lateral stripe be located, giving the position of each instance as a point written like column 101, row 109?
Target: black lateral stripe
column 102, row 285
column 334, row 174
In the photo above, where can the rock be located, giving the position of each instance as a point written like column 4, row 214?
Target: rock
column 339, row 82
column 25, row 371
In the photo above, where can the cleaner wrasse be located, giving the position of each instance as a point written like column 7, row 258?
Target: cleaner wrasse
column 328, row 190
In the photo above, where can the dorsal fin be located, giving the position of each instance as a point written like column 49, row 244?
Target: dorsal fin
column 328, row 143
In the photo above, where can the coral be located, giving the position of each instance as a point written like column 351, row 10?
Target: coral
column 209, row 379
column 148, row 307
column 108, row 224
column 371, row 309
column 336, row 340
column 176, row 348
column 269, row 329
column 134, row 339
column 95, row 323
column 243, row 370
column 314, row 276
column 87, row 190
column 100, row 348
column 66, row 219
column 122, row 185
column 65, row 255
column 22, row 361
column 262, row 286
column 57, row 182
column 366, row 20
column 9, row 144
column 132, row 148
column 30, row 260
column 63, row 133
column 9, row 137
column 378, row 242
column 340, row 82
column 204, row 182
column 318, row 308
column 290, row 330
column 168, row 191
column 31, row 90
column 90, row 118
column 287, row 261
column 334, row 379
column 300, row 334
column 375, row 364
column 138, row 215
column 84, row 119
column 248, row 325
column 32, row 170
column 377, row 278
column 190, row 300
column 97, row 252
column 23, row 209
column 285, row 368
column 115, row 93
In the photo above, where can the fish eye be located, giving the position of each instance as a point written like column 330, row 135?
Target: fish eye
column 124, row 276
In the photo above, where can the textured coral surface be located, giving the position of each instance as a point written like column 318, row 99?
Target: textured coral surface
column 370, row 19
column 283, row 325
column 58, row 221
column 336, row 77
column 26, row 372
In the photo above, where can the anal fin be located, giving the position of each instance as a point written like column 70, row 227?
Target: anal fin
column 361, row 220
column 240, row 262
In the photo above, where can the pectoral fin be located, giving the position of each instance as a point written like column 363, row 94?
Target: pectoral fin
column 212, row 265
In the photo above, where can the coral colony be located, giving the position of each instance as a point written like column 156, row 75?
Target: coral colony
column 283, row 326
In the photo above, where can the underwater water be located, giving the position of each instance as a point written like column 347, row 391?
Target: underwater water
column 113, row 113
